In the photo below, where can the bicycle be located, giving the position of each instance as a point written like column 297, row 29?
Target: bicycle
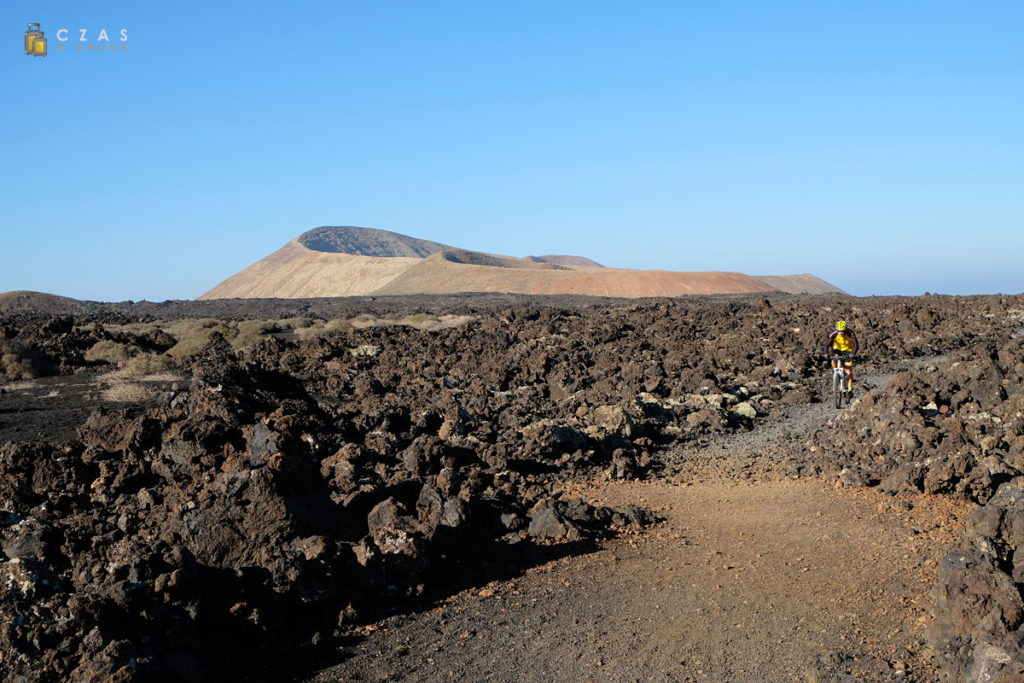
column 840, row 387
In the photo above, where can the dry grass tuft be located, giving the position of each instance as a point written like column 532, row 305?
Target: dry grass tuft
column 22, row 385
column 429, row 322
column 295, row 323
column 135, row 381
column 15, row 362
column 121, row 390
column 111, row 352
column 146, row 365
column 193, row 335
column 364, row 320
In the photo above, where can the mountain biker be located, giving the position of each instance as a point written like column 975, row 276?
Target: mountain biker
column 842, row 345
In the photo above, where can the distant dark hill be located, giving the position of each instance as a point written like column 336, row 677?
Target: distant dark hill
column 39, row 302
column 478, row 258
column 564, row 260
column 367, row 242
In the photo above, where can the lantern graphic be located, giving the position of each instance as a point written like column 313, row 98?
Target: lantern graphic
column 35, row 41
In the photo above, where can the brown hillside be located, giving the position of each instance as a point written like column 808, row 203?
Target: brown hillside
column 439, row 275
column 805, row 283
column 349, row 261
column 295, row 271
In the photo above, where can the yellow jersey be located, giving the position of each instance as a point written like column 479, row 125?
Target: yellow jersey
column 843, row 341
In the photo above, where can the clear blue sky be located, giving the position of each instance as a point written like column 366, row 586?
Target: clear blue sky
column 761, row 137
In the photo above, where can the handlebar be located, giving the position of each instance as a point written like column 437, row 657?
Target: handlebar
column 833, row 356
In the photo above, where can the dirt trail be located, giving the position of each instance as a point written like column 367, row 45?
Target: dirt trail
column 786, row 580
column 751, row 578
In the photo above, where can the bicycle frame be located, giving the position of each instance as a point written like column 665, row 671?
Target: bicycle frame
column 840, row 385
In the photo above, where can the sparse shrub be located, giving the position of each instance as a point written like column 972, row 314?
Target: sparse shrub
column 15, row 362
column 136, row 329
column 338, row 325
column 257, row 328
column 21, row 385
column 417, row 318
column 244, row 341
column 193, row 335
column 449, row 321
column 194, row 338
column 146, row 364
column 317, row 329
column 364, row 320
column 188, row 346
column 294, row 323
column 251, row 331
column 421, row 321
column 109, row 351
column 190, row 327
column 314, row 328
column 120, row 390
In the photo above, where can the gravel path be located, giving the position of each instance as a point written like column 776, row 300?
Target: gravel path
column 765, row 452
column 755, row 577
column 776, row 581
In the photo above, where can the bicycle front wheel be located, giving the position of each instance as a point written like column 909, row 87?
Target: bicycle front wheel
column 837, row 388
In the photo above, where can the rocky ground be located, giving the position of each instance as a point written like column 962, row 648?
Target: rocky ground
column 254, row 506
column 754, row 573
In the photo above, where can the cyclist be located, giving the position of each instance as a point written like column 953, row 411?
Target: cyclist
column 842, row 345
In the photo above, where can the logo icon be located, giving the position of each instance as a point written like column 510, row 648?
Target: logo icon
column 35, row 41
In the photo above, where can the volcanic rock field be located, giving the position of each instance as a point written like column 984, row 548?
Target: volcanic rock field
column 232, row 489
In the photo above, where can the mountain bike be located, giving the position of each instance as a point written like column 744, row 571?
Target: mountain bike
column 840, row 387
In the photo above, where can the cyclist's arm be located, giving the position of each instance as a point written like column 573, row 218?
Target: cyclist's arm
column 856, row 345
column 828, row 344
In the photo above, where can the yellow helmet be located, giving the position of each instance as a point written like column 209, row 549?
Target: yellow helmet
column 841, row 325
